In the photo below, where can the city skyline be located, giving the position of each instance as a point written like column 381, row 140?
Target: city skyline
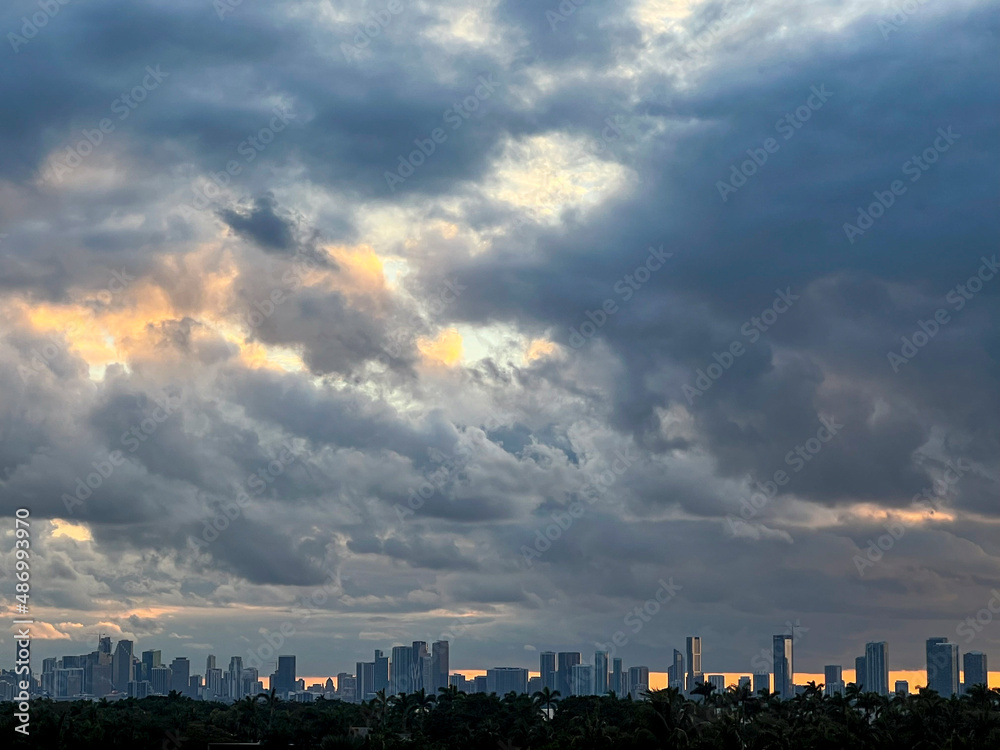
column 328, row 328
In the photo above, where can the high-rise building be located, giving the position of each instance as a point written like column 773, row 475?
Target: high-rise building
column 761, row 681
column 784, row 667
column 860, row 673
column 122, row 671
column 581, row 679
column 459, row 681
column 942, row 667
column 503, row 680
column 744, row 683
column 547, row 669
column 479, row 684
column 417, row 665
column 694, row 673
column 675, row 672
column 234, row 678
column 381, row 671
column 565, row 661
column 718, row 681
column 401, row 670
column 194, row 685
column 440, row 667
column 69, row 682
column 364, row 680
column 104, row 644
column 601, row 673
column 534, row 685
column 877, row 668
column 285, row 682
column 150, row 659
column 902, row 688
column 638, row 681
column 347, row 688
column 160, row 680
column 832, row 673
column 974, row 670
column 618, row 678
column 139, row 689
column 180, row 671
column 213, row 684
column 209, row 663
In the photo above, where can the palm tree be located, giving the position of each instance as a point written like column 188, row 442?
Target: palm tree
column 546, row 699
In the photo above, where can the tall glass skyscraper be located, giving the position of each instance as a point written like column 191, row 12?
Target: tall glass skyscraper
column 877, row 668
column 784, row 667
column 547, row 669
column 618, row 677
column 440, row 666
column 693, row 660
column 860, row 673
column 401, row 678
column 975, row 671
column 675, row 672
column 942, row 666
column 566, row 660
column 600, row 672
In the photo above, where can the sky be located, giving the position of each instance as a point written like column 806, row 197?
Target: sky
column 529, row 326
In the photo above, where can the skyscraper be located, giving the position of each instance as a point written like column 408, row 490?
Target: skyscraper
column 150, row 659
column 600, row 672
column 975, row 671
column 122, row 671
column 565, row 660
column 618, row 678
column 675, row 672
column 234, row 678
column 104, row 644
column 761, row 681
column 209, row 664
column 160, row 680
column 417, row 665
column 503, row 680
column 364, row 680
column 180, row 672
column 860, row 673
column 638, row 681
column 381, row 671
column 942, row 666
column 833, row 679
column 581, row 679
column 439, row 666
column 547, row 669
column 877, row 667
column 694, row 672
column 401, row 677
column 285, row 675
column 784, row 667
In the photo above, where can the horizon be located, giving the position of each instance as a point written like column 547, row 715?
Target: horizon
column 326, row 325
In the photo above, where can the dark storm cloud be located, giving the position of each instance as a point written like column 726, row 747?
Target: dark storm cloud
column 261, row 224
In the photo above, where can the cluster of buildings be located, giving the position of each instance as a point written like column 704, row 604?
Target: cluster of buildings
column 120, row 673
